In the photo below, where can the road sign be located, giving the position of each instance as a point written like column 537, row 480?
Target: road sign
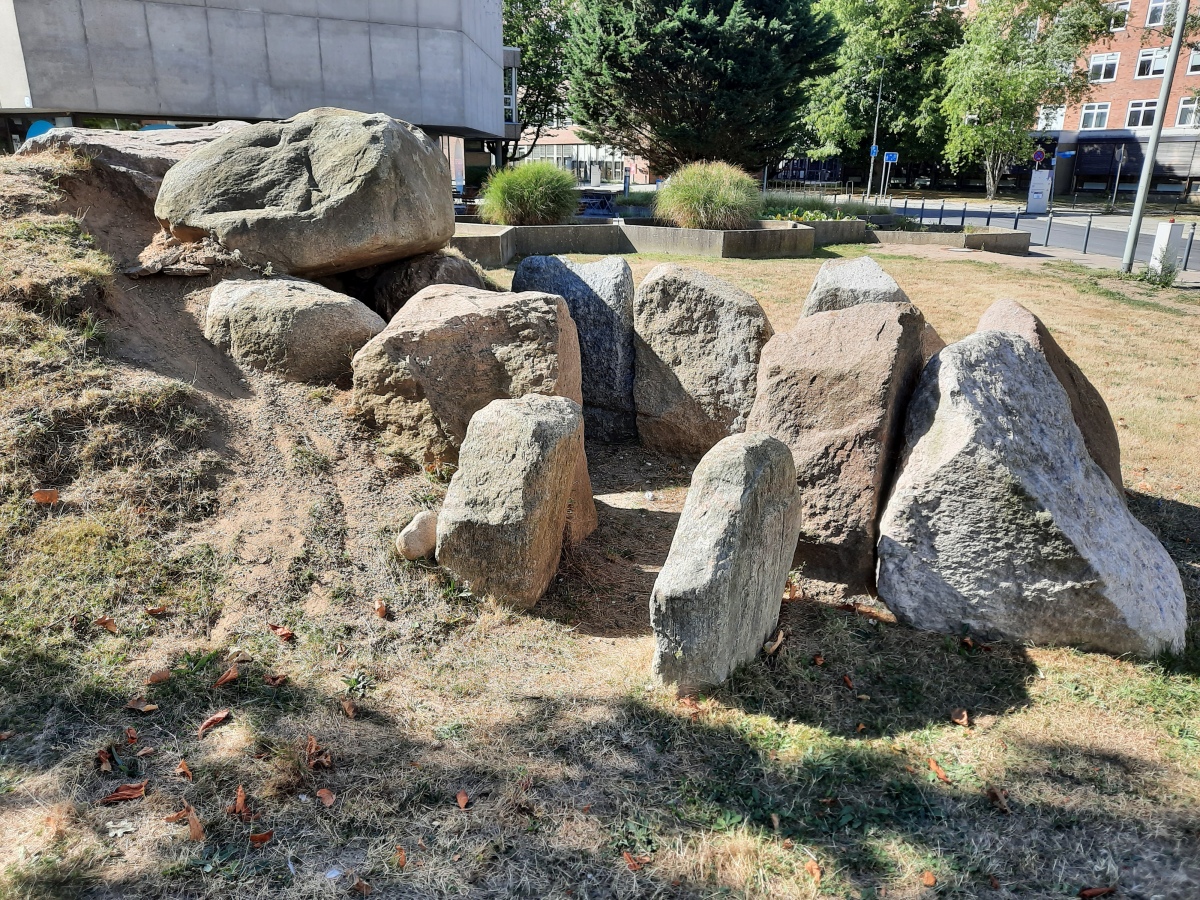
column 1039, row 154
column 891, row 157
column 874, row 150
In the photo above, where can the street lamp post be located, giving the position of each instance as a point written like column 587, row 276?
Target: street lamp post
column 875, row 134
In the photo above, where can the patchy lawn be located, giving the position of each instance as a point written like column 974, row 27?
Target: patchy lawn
column 527, row 755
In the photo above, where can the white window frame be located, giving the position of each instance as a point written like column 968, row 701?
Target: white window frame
column 1188, row 104
column 1156, row 13
column 1152, row 55
column 1094, row 109
column 1103, row 60
column 1193, row 67
column 1119, row 6
column 955, row 4
column 1140, row 108
column 1052, row 118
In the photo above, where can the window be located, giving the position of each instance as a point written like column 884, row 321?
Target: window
column 1103, row 67
column 1095, row 115
column 1052, row 118
column 1187, row 114
column 1155, row 13
column 1120, row 15
column 954, row 4
column 1141, row 113
column 1194, row 63
column 1151, row 63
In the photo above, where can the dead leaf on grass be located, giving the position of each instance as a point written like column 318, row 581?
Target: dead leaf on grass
column 46, row 497
column 350, row 708
column 773, row 648
column 131, row 735
column 818, row 660
column 141, row 704
column 938, row 771
column 994, row 882
column 1091, row 893
column 177, row 817
column 400, row 858
column 381, row 608
column 231, row 674
column 126, row 792
column 159, row 677
column 156, row 610
column 635, row 863
column 183, row 770
column 212, row 722
column 462, row 799
column 960, row 717
column 108, row 623
column 146, row 751
column 846, row 680
column 316, row 756
column 258, row 840
column 928, row 878
column 275, row 680
column 814, row 870
column 239, row 807
column 327, row 797
column 282, row 632
column 997, row 798
column 105, row 760
column 361, row 886
column 5, row 735
column 195, row 829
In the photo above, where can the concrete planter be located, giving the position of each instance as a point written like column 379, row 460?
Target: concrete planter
column 839, row 231
column 763, row 240
column 994, row 240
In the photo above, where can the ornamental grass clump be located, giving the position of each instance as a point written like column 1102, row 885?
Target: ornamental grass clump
column 537, row 193
column 709, row 195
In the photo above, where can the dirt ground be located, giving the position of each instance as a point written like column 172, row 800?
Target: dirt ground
column 481, row 753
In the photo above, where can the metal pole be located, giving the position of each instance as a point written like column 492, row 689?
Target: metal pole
column 1016, row 218
column 1087, row 233
column 875, row 134
column 941, row 212
column 922, row 210
column 1187, row 252
column 989, row 218
column 905, row 213
column 1049, row 225
column 962, row 223
column 1117, row 183
column 1164, row 95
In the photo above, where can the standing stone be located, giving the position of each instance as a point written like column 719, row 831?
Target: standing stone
column 1087, row 406
column 600, row 297
column 718, row 595
column 1001, row 523
column 835, row 390
column 501, row 527
column 418, row 539
column 398, row 283
column 289, row 327
column 324, row 192
column 842, row 283
column 450, row 352
column 697, row 343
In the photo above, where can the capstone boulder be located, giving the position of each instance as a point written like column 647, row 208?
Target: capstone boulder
column 842, row 283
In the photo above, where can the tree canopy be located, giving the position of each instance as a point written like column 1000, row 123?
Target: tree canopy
column 539, row 29
column 676, row 81
column 906, row 42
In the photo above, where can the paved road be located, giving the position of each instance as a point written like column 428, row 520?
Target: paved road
column 1107, row 237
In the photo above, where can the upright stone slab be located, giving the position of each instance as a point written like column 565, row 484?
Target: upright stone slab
column 600, row 297
column 326, row 191
column 697, row 341
column 289, row 327
column 842, row 283
column 450, row 352
column 1087, row 406
column 835, row 390
column 501, row 527
column 399, row 282
column 718, row 595
column 1002, row 525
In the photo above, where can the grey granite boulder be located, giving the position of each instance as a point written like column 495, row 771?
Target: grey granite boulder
column 697, row 342
column 600, row 297
column 324, row 192
column 1087, row 406
column 1002, row 525
column 289, row 327
column 501, row 527
column 842, row 283
column 399, row 282
column 718, row 595
column 835, row 390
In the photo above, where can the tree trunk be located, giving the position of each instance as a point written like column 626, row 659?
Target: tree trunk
column 993, row 163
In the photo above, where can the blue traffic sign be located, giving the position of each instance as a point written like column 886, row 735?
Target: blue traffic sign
column 874, row 150
column 1039, row 154
column 891, row 157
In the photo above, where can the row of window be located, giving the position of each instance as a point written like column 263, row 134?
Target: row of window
column 1156, row 14
column 1151, row 63
column 1139, row 114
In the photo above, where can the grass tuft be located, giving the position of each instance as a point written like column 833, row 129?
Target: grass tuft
column 537, row 193
column 709, row 195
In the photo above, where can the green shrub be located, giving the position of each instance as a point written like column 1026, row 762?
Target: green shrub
column 801, row 207
column 709, row 195
column 537, row 193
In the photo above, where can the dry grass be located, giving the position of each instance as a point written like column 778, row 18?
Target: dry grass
column 568, row 758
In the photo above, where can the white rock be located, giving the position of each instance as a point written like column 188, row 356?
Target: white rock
column 419, row 537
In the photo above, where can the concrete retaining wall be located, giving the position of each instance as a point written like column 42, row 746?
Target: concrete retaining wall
column 765, row 240
column 994, row 240
column 492, row 246
column 839, row 231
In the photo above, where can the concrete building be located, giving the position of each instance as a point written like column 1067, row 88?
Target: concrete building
column 439, row 64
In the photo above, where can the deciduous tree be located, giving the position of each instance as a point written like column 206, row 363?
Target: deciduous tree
column 539, row 29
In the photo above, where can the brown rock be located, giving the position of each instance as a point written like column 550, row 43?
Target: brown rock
column 835, row 390
column 1087, row 406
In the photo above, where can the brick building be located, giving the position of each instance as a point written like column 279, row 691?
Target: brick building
column 1108, row 133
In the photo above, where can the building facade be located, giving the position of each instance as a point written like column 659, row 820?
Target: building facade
column 591, row 163
column 439, row 64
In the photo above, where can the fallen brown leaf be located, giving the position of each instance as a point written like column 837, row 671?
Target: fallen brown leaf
column 141, row 704
column 183, row 770
column 231, row 674
column 131, row 735
column 239, row 807
column 773, row 648
column 938, row 770
column 126, row 792
column 994, row 882
column 275, row 680
column 1090, row 893
column 108, row 623
column 326, row 796
column 350, row 708
column 212, row 722
column 960, row 717
column 45, row 497
column 818, row 660
column 462, row 799
column 861, row 728
column 316, row 756
column 159, row 677
column 146, row 751
column 814, row 870
column 195, row 829
column 381, row 608
column 5, row 735
column 400, row 858
column 282, row 632
column 156, row 610
column 847, row 682
column 258, row 840
column 361, row 886
column 997, row 799
column 105, row 760
column 928, row 878
column 175, row 818
column 634, row 862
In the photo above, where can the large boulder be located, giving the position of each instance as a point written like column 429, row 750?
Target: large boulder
column 842, row 283
column 835, row 390
column 697, row 343
column 501, row 527
column 324, row 192
column 289, row 327
column 452, row 350
column 719, row 592
column 141, row 157
column 600, row 297
column 398, row 283
column 1002, row 525
column 1087, row 406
